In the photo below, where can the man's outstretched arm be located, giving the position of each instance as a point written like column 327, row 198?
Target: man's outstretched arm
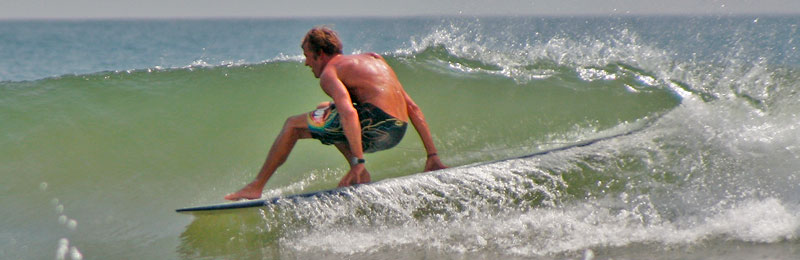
column 418, row 120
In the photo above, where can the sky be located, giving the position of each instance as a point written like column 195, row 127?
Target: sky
column 100, row 9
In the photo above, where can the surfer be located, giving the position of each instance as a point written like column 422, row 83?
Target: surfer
column 370, row 112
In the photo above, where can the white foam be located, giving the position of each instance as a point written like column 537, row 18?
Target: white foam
column 551, row 231
column 765, row 220
column 535, row 59
column 472, row 210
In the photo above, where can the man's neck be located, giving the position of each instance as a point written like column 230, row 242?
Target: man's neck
column 326, row 59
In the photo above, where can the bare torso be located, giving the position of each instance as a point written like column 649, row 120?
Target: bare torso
column 369, row 79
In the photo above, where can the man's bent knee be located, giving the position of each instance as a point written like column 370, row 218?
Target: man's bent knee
column 298, row 126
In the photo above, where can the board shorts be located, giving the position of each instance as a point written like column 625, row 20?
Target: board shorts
column 379, row 130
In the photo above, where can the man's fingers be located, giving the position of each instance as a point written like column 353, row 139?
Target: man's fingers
column 345, row 180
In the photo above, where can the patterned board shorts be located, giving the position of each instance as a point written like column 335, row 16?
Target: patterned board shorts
column 379, row 130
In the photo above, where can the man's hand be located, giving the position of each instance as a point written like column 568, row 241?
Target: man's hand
column 358, row 174
column 434, row 163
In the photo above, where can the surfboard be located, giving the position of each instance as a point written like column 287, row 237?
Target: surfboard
column 344, row 191
column 274, row 200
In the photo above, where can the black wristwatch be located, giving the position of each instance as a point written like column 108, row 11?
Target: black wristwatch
column 356, row 160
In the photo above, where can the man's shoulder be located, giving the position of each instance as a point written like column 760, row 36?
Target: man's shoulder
column 356, row 62
column 361, row 56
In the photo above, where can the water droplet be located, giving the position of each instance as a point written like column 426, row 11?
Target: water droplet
column 63, row 248
column 75, row 254
column 588, row 254
column 72, row 224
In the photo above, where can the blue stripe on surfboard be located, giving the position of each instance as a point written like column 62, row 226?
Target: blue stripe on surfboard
column 264, row 202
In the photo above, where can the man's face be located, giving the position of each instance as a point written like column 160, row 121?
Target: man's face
column 313, row 61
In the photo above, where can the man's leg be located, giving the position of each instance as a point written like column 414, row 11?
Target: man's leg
column 345, row 150
column 295, row 128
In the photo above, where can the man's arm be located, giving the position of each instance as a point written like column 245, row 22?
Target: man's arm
column 347, row 113
column 348, row 116
column 418, row 120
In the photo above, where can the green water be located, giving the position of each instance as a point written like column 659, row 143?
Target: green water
column 116, row 152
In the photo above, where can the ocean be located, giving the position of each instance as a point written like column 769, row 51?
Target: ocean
column 108, row 126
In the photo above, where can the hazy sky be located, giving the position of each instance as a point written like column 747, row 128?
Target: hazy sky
column 15, row 9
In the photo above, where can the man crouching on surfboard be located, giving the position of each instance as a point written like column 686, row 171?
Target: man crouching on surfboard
column 369, row 113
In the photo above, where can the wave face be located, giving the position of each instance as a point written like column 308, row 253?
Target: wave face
column 96, row 159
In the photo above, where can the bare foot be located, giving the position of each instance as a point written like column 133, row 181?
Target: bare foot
column 248, row 192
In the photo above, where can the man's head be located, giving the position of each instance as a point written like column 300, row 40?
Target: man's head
column 322, row 40
column 319, row 46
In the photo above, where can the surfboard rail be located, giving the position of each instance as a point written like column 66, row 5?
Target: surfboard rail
column 268, row 201
column 344, row 190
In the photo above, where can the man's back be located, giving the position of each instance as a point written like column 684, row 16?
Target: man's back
column 369, row 79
